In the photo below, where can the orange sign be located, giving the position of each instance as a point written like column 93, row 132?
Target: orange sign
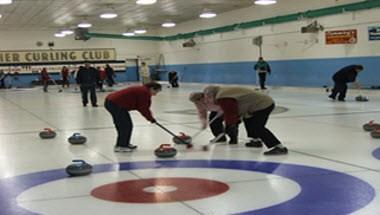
column 342, row 37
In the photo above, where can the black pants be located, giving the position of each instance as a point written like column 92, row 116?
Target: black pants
column 340, row 88
column 255, row 127
column 65, row 81
column 2, row 83
column 84, row 90
column 123, row 123
column 45, row 84
column 262, row 78
column 217, row 126
column 174, row 82
column 99, row 83
column 110, row 81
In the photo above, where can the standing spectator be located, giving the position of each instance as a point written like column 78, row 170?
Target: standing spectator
column 254, row 108
column 262, row 68
column 74, row 74
column 144, row 73
column 2, row 79
column 102, row 77
column 45, row 79
column 86, row 79
column 110, row 72
column 65, row 77
column 341, row 78
column 119, row 104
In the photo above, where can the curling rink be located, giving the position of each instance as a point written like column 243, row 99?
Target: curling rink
column 332, row 166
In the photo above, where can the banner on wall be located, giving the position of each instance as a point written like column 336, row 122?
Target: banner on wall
column 374, row 33
column 341, row 37
column 47, row 56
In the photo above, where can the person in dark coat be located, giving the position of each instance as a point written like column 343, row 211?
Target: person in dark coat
column 173, row 78
column 110, row 72
column 262, row 69
column 121, row 102
column 341, row 78
column 3, row 76
column 87, row 77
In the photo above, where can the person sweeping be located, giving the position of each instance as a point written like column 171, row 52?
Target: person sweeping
column 121, row 102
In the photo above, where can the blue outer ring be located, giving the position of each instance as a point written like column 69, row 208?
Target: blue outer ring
column 376, row 153
column 322, row 191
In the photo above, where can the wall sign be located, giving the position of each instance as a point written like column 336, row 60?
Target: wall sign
column 341, row 37
column 374, row 33
column 46, row 56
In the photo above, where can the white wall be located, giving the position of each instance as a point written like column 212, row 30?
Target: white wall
column 281, row 41
column 26, row 40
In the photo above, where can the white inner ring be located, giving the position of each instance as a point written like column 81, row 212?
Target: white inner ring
column 248, row 190
column 160, row 189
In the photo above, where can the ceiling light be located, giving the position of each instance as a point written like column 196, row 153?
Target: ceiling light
column 145, row 2
column 207, row 14
column 59, row 34
column 108, row 15
column 5, row 1
column 140, row 31
column 168, row 24
column 67, row 32
column 84, row 25
column 129, row 34
column 1, row 16
column 265, row 2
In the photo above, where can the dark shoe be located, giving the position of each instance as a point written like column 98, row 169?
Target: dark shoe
column 221, row 140
column 254, row 144
column 233, row 142
column 94, row 105
column 130, row 146
column 331, row 97
column 84, row 104
column 277, row 151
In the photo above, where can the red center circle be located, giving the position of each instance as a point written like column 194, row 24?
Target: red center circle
column 132, row 191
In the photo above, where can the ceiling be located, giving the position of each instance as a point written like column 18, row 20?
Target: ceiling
column 58, row 14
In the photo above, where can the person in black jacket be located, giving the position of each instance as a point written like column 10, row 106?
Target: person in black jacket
column 262, row 68
column 87, row 77
column 341, row 78
column 3, row 76
column 110, row 73
column 173, row 78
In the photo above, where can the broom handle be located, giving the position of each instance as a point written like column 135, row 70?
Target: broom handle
column 171, row 133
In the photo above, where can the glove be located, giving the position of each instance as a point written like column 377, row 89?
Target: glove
column 153, row 120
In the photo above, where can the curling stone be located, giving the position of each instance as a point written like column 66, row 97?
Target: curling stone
column 370, row 126
column 77, row 139
column 182, row 136
column 205, row 148
column 47, row 133
column 375, row 133
column 78, row 168
column 361, row 98
column 165, row 151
